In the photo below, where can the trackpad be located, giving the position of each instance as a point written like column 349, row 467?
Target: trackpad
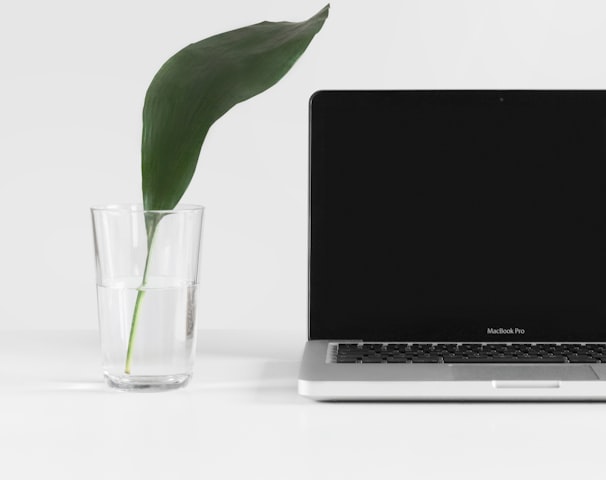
column 523, row 372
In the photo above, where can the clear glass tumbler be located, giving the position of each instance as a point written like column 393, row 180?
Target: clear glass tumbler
column 147, row 287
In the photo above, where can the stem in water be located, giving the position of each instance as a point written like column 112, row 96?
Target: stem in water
column 151, row 229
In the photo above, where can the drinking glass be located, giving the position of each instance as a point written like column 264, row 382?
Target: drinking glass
column 147, row 289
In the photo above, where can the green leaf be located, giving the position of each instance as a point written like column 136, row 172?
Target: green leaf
column 198, row 85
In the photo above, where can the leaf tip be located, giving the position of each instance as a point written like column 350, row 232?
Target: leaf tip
column 324, row 12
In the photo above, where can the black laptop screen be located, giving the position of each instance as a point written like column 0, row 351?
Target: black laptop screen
column 458, row 215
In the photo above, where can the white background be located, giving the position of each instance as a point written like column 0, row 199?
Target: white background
column 73, row 75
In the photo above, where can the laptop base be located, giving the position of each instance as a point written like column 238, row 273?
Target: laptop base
column 320, row 379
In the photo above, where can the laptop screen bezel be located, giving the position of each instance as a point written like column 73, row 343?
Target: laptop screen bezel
column 469, row 331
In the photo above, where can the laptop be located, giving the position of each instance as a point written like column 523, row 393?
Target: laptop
column 457, row 246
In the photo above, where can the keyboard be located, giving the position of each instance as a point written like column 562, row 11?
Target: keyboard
column 471, row 353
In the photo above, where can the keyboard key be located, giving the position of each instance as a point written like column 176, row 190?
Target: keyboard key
column 372, row 360
column 507, row 360
column 581, row 359
column 397, row 360
column 425, row 359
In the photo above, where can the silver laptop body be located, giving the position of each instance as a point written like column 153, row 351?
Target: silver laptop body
column 457, row 246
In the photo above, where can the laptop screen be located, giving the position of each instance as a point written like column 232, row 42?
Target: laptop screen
column 458, row 215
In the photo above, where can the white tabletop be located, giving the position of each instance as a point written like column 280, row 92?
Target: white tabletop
column 241, row 417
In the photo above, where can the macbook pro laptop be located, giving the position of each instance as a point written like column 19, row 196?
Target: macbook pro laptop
column 457, row 246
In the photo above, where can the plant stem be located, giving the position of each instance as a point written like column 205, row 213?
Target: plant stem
column 140, row 295
column 133, row 328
